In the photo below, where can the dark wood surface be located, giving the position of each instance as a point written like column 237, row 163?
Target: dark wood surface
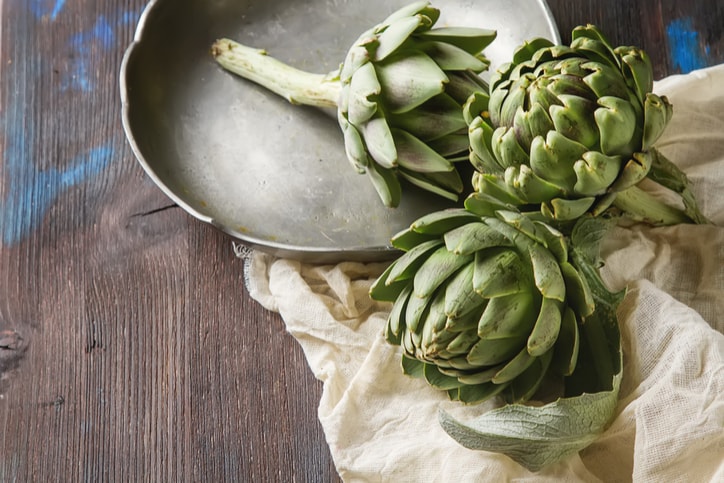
column 129, row 348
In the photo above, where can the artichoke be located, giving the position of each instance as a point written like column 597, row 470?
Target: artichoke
column 486, row 301
column 399, row 94
column 570, row 128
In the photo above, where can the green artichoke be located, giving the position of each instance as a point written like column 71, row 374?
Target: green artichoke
column 486, row 301
column 568, row 127
column 399, row 93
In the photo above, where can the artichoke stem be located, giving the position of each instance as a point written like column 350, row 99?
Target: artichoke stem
column 296, row 86
column 642, row 206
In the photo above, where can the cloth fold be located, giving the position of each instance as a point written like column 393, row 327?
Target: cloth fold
column 669, row 426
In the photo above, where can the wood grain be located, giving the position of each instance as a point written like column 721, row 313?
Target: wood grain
column 129, row 348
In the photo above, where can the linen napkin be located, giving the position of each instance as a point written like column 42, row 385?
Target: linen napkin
column 669, row 423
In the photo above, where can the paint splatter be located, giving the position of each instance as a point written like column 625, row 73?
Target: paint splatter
column 101, row 36
column 31, row 192
column 686, row 50
column 44, row 8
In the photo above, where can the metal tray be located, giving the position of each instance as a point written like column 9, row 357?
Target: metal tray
column 272, row 175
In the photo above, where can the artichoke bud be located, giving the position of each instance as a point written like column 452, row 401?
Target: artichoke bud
column 567, row 126
column 396, row 75
column 399, row 73
column 486, row 301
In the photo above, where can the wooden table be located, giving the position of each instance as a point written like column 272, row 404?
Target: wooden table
column 129, row 348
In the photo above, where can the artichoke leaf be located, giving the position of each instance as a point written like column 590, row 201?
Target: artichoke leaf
column 472, row 237
column 387, row 290
column 552, row 158
column 574, row 120
column 510, row 316
column 437, row 379
column 434, row 323
column 464, row 322
column 412, row 367
column 454, row 146
column 396, row 320
column 407, row 265
column 657, row 114
column 436, row 118
column 495, row 352
column 529, row 48
column 480, row 376
column 460, row 296
column 537, row 122
column 565, row 351
column 498, row 92
column 442, row 221
column 421, row 7
column 579, row 295
column 634, row 170
column 438, row 267
column 479, row 392
column 450, row 57
column 547, row 273
column 530, row 186
column 431, row 182
column 605, row 81
column 357, row 56
column 553, row 240
column 546, row 329
column 476, row 106
column 481, row 142
column 408, row 239
column 618, row 124
column 507, row 151
column 462, row 84
column 363, row 89
column 637, row 67
column 485, row 205
column 408, row 79
column 591, row 40
column 380, row 142
column 386, row 184
column 394, row 35
column 463, row 342
column 415, row 313
column 514, row 367
column 470, row 39
column 415, row 155
column 523, row 387
column 445, row 180
column 354, row 147
column 595, row 172
column 498, row 272
column 567, row 210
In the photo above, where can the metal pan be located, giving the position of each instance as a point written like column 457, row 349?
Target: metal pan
column 272, row 175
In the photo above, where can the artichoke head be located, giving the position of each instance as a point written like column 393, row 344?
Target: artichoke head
column 403, row 84
column 486, row 301
column 566, row 127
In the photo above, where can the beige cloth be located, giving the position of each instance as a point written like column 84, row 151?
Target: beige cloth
column 669, row 423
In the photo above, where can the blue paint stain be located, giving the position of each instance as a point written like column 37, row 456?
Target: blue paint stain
column 41, row 8
column 100, row 37
column 57, row 9
column 32, row 191
column 685, row 47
